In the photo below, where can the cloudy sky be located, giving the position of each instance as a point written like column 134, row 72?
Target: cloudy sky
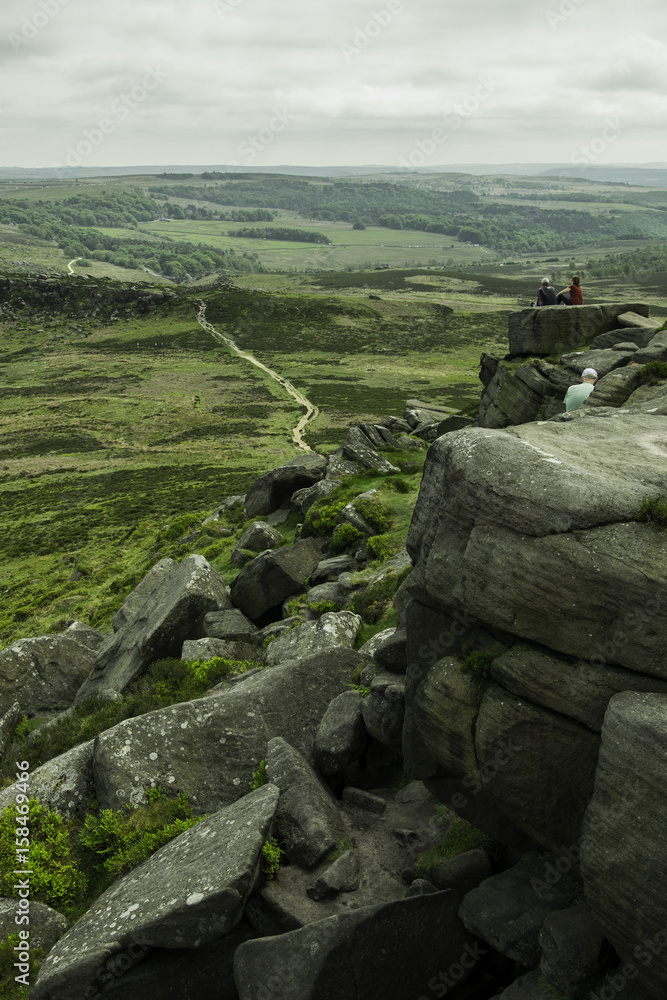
column 324, row 82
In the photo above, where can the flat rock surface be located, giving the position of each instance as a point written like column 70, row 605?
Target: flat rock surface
column 188, row 893
column 211, row 747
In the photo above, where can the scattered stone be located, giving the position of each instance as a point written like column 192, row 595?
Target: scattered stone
column 358, row 448
column 271, row 490
column 376, row 641
column 309, row 820
column 210, row 747
column 329, row 570
column 341, row 735
column 575, row 952
column 136, row 599
column 325, row 593
column 190, row 892
column 173, row 612
column 391, row 950
column 418, row 412
column 64, row 784
column 462, row 873
column 211, row 649
column 391, row 653
column 258, row 537
column 384, row 709
column 508, row 910
column 45, row 672
column 304, row 499
column 273, row 576
column 361, row 799
column 46, row 925
column 334, row 629
column 231, row 625
column 341, row 876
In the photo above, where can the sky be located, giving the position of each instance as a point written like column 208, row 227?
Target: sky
column 404, row 83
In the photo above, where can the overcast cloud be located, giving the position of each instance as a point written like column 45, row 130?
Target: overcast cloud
column 398, row 82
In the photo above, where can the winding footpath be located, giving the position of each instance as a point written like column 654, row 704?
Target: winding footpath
column 311, row 410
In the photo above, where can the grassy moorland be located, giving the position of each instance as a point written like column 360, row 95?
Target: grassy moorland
column 119, row 433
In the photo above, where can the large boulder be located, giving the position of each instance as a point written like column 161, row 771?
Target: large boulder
column 341, row 735
column 64, row 783
column 275, row 488
column 392, row 950
column 359, row 448
column 308, row 817
column 8, row 724
column 508, row 910
column 173, row 612
column 655, row 350
column 190, row 892
column 46, row 672
column 515, row 397
column 556, row 532
column 555, row 329
column 136, row 599
column 333, row 630
column 258, row 537
column 210, row 747
column 623, row 861
column 602, row 361
column 272, row 576
column 46, row 924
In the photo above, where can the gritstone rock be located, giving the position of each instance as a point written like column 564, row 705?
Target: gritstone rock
column 188, row 893
column 276, row 487
column 173, row 612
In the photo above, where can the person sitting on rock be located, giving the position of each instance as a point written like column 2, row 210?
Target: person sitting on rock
column 572, row 295
column 546, row 294
column 576, row 394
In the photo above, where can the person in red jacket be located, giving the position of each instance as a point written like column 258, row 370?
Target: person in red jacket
column 575, row 297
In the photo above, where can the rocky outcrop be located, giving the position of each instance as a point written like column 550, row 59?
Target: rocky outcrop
column 333, row 630
column 623, row 868
column 555, row 329
column 64, row 783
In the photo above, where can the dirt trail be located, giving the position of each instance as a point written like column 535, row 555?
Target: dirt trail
column 311, row 410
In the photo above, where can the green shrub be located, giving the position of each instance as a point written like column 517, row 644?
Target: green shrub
column 259, row 776
column 653, row 510
column 360, row 689
column 322, row 517
column 401, row 484
column 180, row 526
column 9, row 988
column 321, row 607
column 22, row 728
column 460, row 837
column 345, row 536
column 56, row 877
column 211, row 552
column 373, row 602
column 271, row 856
column 380, row 547
column 478, row 664
column 374, row 511
column 125, row 837
column 653, row 372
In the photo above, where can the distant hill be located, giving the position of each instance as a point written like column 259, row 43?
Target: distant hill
column 645, row 175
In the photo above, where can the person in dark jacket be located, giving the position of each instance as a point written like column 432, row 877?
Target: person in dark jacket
column 546, row 294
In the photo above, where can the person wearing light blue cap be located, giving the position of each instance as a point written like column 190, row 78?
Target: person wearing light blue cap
column 576, row 394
